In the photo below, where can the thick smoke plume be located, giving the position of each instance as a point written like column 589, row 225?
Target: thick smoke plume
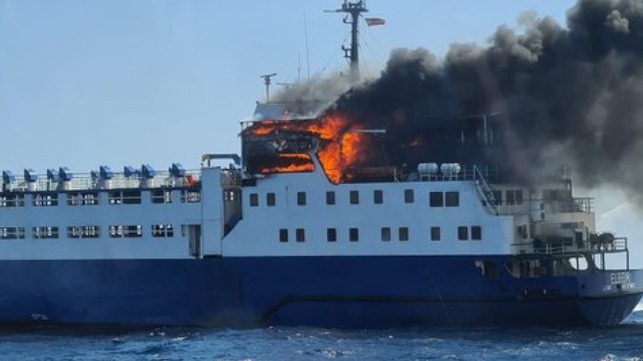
column 569, row 94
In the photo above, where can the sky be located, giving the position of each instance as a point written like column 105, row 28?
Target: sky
column 85, row 83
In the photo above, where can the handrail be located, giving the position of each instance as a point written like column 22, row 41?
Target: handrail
column 486, row 190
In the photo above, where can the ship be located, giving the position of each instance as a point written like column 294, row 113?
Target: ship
column 297, row 231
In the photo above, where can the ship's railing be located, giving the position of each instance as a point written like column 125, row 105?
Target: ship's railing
column 89, row 181
column 569, row 247
column 576, row 204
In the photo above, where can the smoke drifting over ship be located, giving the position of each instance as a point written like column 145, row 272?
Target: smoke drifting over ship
column 569, row 94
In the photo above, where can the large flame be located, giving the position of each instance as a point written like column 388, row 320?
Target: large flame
column 341, row 145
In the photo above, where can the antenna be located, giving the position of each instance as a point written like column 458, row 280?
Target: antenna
column 266, row 80
column 354, row 9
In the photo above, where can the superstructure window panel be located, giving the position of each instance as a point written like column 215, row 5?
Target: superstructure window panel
column 300, row 235
column 254, row 200
column 283, row 235
column 452, row 199
column 435, row 233
column 386, row 234
column 12, row 232
column 353, row 234
column 190, row 196
column 161, row 196
column 330, row 197
column 463, row 233
column 12, row 200
column 126, row 231
column 378, row 196
column 476, row 233
column 301, row 198
column 162, row 230
column 409, row 196
column 82, row 198
column 331, row 235
column 354, row 197
column 45, row 199
column 45, row 232
column 271, row 199
column 436, row 199
column 403, row 234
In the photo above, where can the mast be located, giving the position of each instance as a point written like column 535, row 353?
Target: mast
column 352, row 9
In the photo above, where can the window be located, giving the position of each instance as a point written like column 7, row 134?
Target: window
column 403, row 233
column 409, row 197
column 331, row 235
column 132, row 197
column 330, row 197
column 82, row 198
column 301, row 198
column 497, row 196
column 190, row 196
column 129, row 231
column 353, row 234
column 83, row 232
column 510, row 197
column 12, row 200
column 476, row 233
column 283, row 235
column 254, row 199
column 271, row 199
column 12, row 232
column 45, row 199
column 162, row 230
column 354, row 197
column 160, row 196
column 519, row 196
column 300, row 235
column 452, row 199
column 45, row 232
column 463, row 233
column 435, row 233
column 386, row 234
column 436, row 199
column 378, row 196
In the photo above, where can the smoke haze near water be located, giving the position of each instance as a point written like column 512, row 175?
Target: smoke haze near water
column 565, row 93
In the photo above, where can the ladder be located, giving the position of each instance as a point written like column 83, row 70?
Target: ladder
column 483, row 187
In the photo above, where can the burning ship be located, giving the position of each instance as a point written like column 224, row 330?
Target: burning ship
column 313, row 225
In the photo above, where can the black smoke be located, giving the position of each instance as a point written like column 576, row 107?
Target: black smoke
column 562, row 94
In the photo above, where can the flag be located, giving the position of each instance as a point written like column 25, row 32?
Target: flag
column 374, row 21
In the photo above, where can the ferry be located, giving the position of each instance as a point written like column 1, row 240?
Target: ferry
column 297, row 231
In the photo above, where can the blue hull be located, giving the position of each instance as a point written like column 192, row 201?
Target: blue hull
column 314, row 291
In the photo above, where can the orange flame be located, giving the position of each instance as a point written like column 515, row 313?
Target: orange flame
column 339, row 148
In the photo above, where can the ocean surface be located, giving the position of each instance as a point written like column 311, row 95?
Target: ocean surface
column 624, row 342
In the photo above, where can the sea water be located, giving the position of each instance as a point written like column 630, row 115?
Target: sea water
column 624, row 342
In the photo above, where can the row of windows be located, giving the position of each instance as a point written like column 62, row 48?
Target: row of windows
column 386, row 234
column 436, row 199
column 128, row 231
column 92, row 198
column 512, row 197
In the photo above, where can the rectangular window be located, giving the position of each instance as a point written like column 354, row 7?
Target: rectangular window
column 12, row 200
column 519, row 196
column 12, row 232
column 403, row 233
column 132, row 197
column 497, row 196
column 435, row 233
column 115, row 197
column 82, row 198
column 161, row 196
column 45, row 199
column 190, row 196
column 436, row 199
column 283, row 235
column 510, row 197
column 129, row 231
column 476, row 233
column 330, row 197
column 271, row 199
column 463, row 233
column 409, row 197
column 162, row 230
column 301, row 198
column 452, row 199
column 354, row 197
column 386, row 234
column 45, row 232
column 300, row 235
column 353, row 234
column 378, row 196
column 83, row 232
column 254, row 199
column 331, row 235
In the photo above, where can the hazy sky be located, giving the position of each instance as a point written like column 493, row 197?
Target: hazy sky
column 124, row 82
